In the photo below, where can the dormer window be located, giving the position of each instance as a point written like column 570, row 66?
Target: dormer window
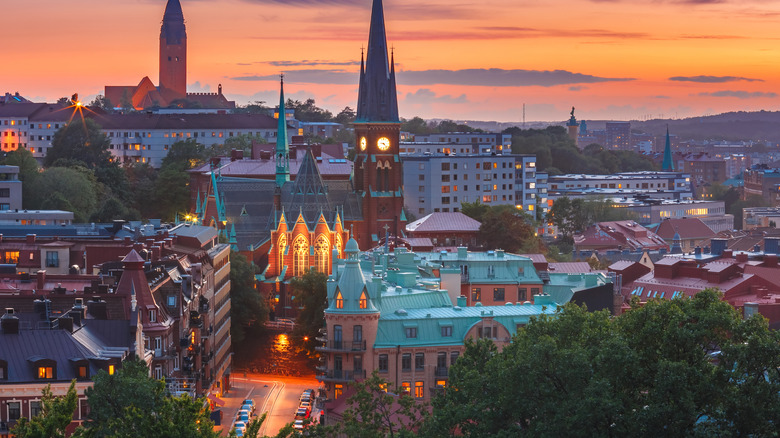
column 363, row 303
column 153, row 315
column 45, row 372
column 111, row 369
column 339, row 301
column 3, row 370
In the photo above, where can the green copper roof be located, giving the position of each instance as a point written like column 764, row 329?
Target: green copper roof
column 282, row 155
column 668, row 164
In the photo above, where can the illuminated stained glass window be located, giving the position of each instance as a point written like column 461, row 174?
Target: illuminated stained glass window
column 282, row 245
column 321, row 248
column 300, row 250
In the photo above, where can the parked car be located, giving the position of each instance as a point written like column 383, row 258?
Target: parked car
column 248, row 408
column 243, row 416
column 240, row 425
column 249, row 402
column 302, row 413
column 306, row 405
column 298, row 425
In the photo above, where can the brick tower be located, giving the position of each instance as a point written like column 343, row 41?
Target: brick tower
column 173, row 53
column 378, row 174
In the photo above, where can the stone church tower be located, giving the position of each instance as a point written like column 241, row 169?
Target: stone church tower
column 173, row 52
column 378, row 174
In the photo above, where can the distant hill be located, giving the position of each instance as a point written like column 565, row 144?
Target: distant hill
column 738, row 125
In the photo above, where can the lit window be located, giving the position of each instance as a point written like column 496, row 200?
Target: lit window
column 338, row 390
column 405, row 387
column 321, row 254
column 12, row 257
column 418, row 389
column 300, row 248
column 363, row 300
column 111, row 369
column 45, row 372
column 339, row 301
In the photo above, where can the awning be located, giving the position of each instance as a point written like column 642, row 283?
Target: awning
column 216, row 400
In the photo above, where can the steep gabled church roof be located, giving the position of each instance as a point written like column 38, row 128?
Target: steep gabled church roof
column 377, row 97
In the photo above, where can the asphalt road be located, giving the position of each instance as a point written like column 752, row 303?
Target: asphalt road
column 277, row 395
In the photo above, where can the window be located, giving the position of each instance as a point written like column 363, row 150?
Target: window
column 357, row 333
column 5, row 193
column 321, row 247
column 419, row 361
column 406, row 362
column 338, row 389
column 3, row 370
column 405, row 387
column 476, row 294
column 153, row 315
column 35, row 408
column 339, row 300
column 52, row 259
column 446, row 331
column 171, row 300
column 522, row 294
column 111, row 369
column 12, row 257
column 534, row 291
column 282, row 245
column 498, row 294
column 337, row 336
column 357, row 364
column 363, row 303
column 445, row 166
column 418, row 389
column 411, row 332
column 300, row 248
column 83, row 372
column 84, row 408
column 158, row 372
column 45, row 372
column 14, row 410
column 383, row 363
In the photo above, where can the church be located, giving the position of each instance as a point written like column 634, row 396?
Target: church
column 300, row 221
column 173, row 73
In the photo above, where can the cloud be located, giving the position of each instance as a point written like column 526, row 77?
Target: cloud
column 739, row 94
column 713, row 79
column 311, row 76
column 198, row 88
column 660, row 96
column 307, row 62
column 577, row 88
column 305, row 3
column 494, row 77
column 425, row 96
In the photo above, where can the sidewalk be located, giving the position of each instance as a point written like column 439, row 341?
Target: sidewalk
column 233, row 399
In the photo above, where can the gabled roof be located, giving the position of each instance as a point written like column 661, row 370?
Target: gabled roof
column 688, row 228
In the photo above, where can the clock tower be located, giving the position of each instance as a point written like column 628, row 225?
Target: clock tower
column 378, row 175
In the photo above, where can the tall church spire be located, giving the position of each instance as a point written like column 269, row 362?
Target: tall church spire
column 282, row 146
column 377, row 100
column 668, row 164
column 173, row 51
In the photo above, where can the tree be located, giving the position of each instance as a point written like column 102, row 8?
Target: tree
column 682, row 367
column 475, row 210
column 415, row 125
column 247, row 306
column 61, row 188
column 311, row 296
column 308, row 111
column 346, row 116
column 172, row 193
column 376, row 413
column 256, row 107
column 506, row 228
column 56, row 414
column 81, row 140
column 129, row 403
column 142, row 178
column 184, row 155
column 103, row 103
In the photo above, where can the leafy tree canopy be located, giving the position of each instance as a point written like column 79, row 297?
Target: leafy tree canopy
column 56, row 414
column 247, row 306
column 308, row 111
column 683, row 367
column 81, row 140
column 311, row 295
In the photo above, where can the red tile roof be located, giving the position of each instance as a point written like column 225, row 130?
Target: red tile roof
column 619, row 235
column 688, row 228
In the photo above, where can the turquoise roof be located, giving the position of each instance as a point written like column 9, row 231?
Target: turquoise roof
column 562, row 285
column 488, row 267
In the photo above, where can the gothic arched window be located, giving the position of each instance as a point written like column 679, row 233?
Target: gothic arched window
column 339, row 300
column 282, row 248
column 363, row 303
column 321, row 248
column 300, row 248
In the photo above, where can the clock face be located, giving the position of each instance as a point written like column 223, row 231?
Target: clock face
column 363, row 143
column 383, row 144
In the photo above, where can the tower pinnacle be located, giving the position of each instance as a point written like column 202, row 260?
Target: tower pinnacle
column 282, row 154
column 377, row 100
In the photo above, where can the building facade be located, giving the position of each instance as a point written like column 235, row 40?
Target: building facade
column 440, row 182
column 461, row 142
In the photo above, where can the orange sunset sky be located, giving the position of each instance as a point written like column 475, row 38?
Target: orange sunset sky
column 458, row 59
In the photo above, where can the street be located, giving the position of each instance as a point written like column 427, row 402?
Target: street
column 277, row 395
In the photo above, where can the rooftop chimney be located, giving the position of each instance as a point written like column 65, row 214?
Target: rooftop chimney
column 41, row 279
column 9, row 322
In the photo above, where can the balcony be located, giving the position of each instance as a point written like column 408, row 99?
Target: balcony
column 195, row 320
column 441, row 372
column 342, row 347
column 342, row 376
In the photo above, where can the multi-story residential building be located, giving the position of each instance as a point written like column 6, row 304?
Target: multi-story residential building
column 761, row 180
column 77, row 310
column 382, row 315
column 705, row 169
column 618, row 135
column 658, row 185
column 441, row 182
column 135, row 137
column 760, row 217
column 461, row 142
column 10, row 188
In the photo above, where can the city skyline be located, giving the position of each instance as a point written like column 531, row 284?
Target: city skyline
column 619, row 59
